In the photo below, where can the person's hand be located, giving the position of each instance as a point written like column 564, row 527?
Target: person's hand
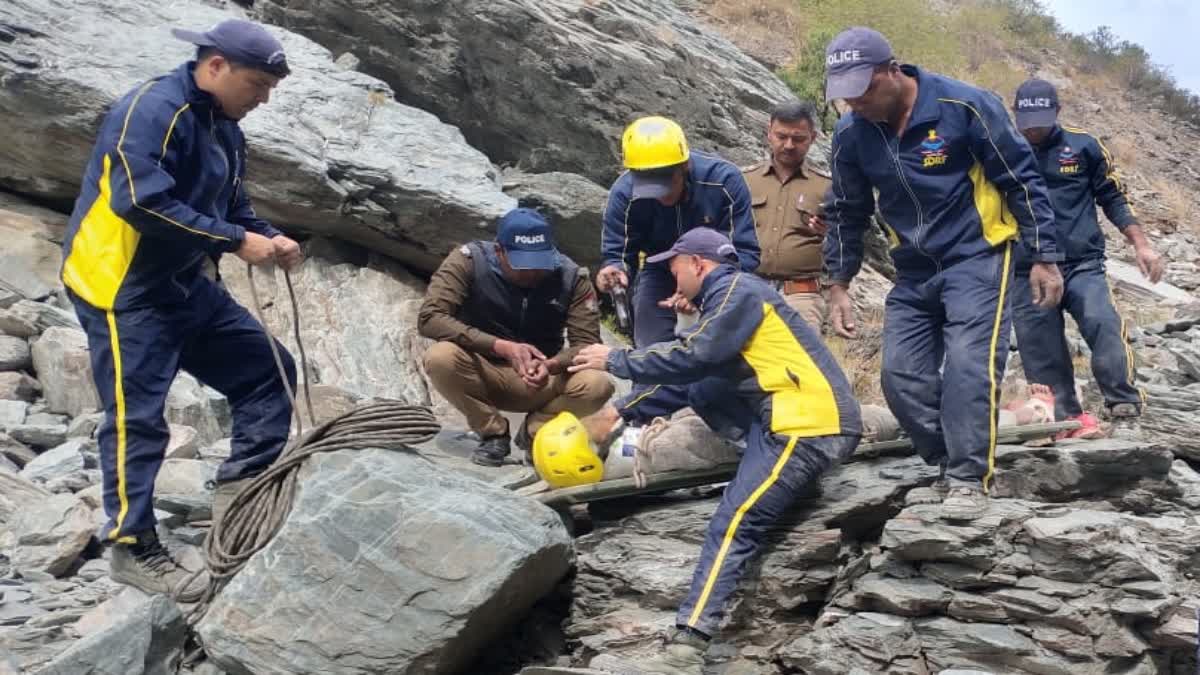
column 678, row 303
column 591, row 357
column 818, row 225
column 538, row 375
column 841, row 312
column 611, row 276
column 1150, row 263
column 1046, row 282
column 522, row 357
column 256, row 249
column 287, row 252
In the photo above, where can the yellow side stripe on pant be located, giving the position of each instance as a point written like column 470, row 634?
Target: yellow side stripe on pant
column 733, row 525
column 1130, row 372
column 119, row 395
column 992, row 384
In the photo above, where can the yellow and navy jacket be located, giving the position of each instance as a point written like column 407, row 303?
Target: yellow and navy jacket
column 747, row 333
column 717, row 197
column 162, row 190
column 1079, row 173
column 959, row 181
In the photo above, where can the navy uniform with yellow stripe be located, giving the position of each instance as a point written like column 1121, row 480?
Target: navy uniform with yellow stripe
column 1080, row 175
column 161, row 193
column 957, row 186
column 757, row 372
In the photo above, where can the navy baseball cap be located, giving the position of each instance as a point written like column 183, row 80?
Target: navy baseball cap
column 1036, row 104
column 652, row 183
column 850, row 59
column 243, row 42
column 702, row 241
column 525, row 236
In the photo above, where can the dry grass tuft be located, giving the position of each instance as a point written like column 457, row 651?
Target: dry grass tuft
column 766, row 29
column 862, row 359
column 1179, row 204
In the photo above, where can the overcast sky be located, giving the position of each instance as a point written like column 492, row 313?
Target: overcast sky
column 1167, row 29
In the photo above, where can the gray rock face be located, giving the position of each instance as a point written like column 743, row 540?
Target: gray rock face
column 191, row 404
column 572, row 203
column 147, row 640
column 43, row 315
column 18, row 387
column 39, row 435
column 48, row 535
column 59, row 461
column 14, row 353
column 550, row 85
column 31, row 256
column 387, row 563
column 60, row 357
column 358, row 319
column 332, row 153
column 17, row 452
column 16, row 492
column 12, row 412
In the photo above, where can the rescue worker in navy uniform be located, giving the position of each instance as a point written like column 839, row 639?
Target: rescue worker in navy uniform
column 1080, row 174
column 957, row 185
column 163, row 193
column 759, row 375
column 498, row 310
column 666, row 190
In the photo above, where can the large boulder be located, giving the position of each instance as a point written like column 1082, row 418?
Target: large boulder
column 388, row 563
column 332, row 153
column 31, row 256
column 146, row 638
column 16, row 492
column 48, row 535
column 14, row 353
column 550, row 84
column 572, row 203
column 358, row 318
column 63, row 366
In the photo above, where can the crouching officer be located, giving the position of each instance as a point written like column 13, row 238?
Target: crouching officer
column 1080, row 175
column 666, row 190
column 497, row 310
column 162, row 193
column 758, row 374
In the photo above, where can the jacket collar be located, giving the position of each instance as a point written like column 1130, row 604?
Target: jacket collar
column 1053, row 139
column 926, row 108
column 713, row 277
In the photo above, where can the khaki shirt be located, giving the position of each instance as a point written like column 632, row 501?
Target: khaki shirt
column 781, row 210
column 448, row 289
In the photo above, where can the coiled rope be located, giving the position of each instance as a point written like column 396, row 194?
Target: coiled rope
column 259, row 509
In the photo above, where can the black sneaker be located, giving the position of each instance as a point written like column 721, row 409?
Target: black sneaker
column 492, row 451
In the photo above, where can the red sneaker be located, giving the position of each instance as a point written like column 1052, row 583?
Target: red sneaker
column 1090, row 428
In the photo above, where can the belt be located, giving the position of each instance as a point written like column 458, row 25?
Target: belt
column 790, row 286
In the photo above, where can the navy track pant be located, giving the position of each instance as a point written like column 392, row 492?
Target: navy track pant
column 945, row 344
column 1042, row 340
column 135, row 355
column 774, row 471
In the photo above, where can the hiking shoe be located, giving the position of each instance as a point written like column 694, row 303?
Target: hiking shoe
column 223, row 496
column 492, row 451
column 1090, row 428
column 148, row 566
column 965, row 502
column 934, row 494
column 524, row 443
column 683, row 654
column 1125, row 418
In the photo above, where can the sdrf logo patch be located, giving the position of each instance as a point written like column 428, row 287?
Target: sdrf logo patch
column 933, row 150
column 1068, row 161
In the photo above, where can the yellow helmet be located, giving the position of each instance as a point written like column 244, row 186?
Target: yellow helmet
column 562, row 454
column 653, row 143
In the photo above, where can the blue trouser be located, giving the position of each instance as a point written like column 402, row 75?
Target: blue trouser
column 1042, row 339
column 652, row 324
column 135, row 356
column 945, row 343
column 773, row 472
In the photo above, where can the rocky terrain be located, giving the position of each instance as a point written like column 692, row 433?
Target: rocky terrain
column 407, row 128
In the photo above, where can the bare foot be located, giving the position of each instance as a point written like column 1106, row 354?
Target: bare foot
column 1042, row 391
column 601, row 423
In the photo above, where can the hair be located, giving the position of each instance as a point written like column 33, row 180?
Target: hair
column 207, row 51
column 794, row 111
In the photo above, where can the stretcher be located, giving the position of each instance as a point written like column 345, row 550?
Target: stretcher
column 674, row 480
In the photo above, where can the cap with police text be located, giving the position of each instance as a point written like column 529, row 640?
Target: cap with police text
column 1036, row 104
column 244, row 42
column 850, row 59
column 525, row 236
column 702, row 241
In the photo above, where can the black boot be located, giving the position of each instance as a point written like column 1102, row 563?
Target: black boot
column 492, row 451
